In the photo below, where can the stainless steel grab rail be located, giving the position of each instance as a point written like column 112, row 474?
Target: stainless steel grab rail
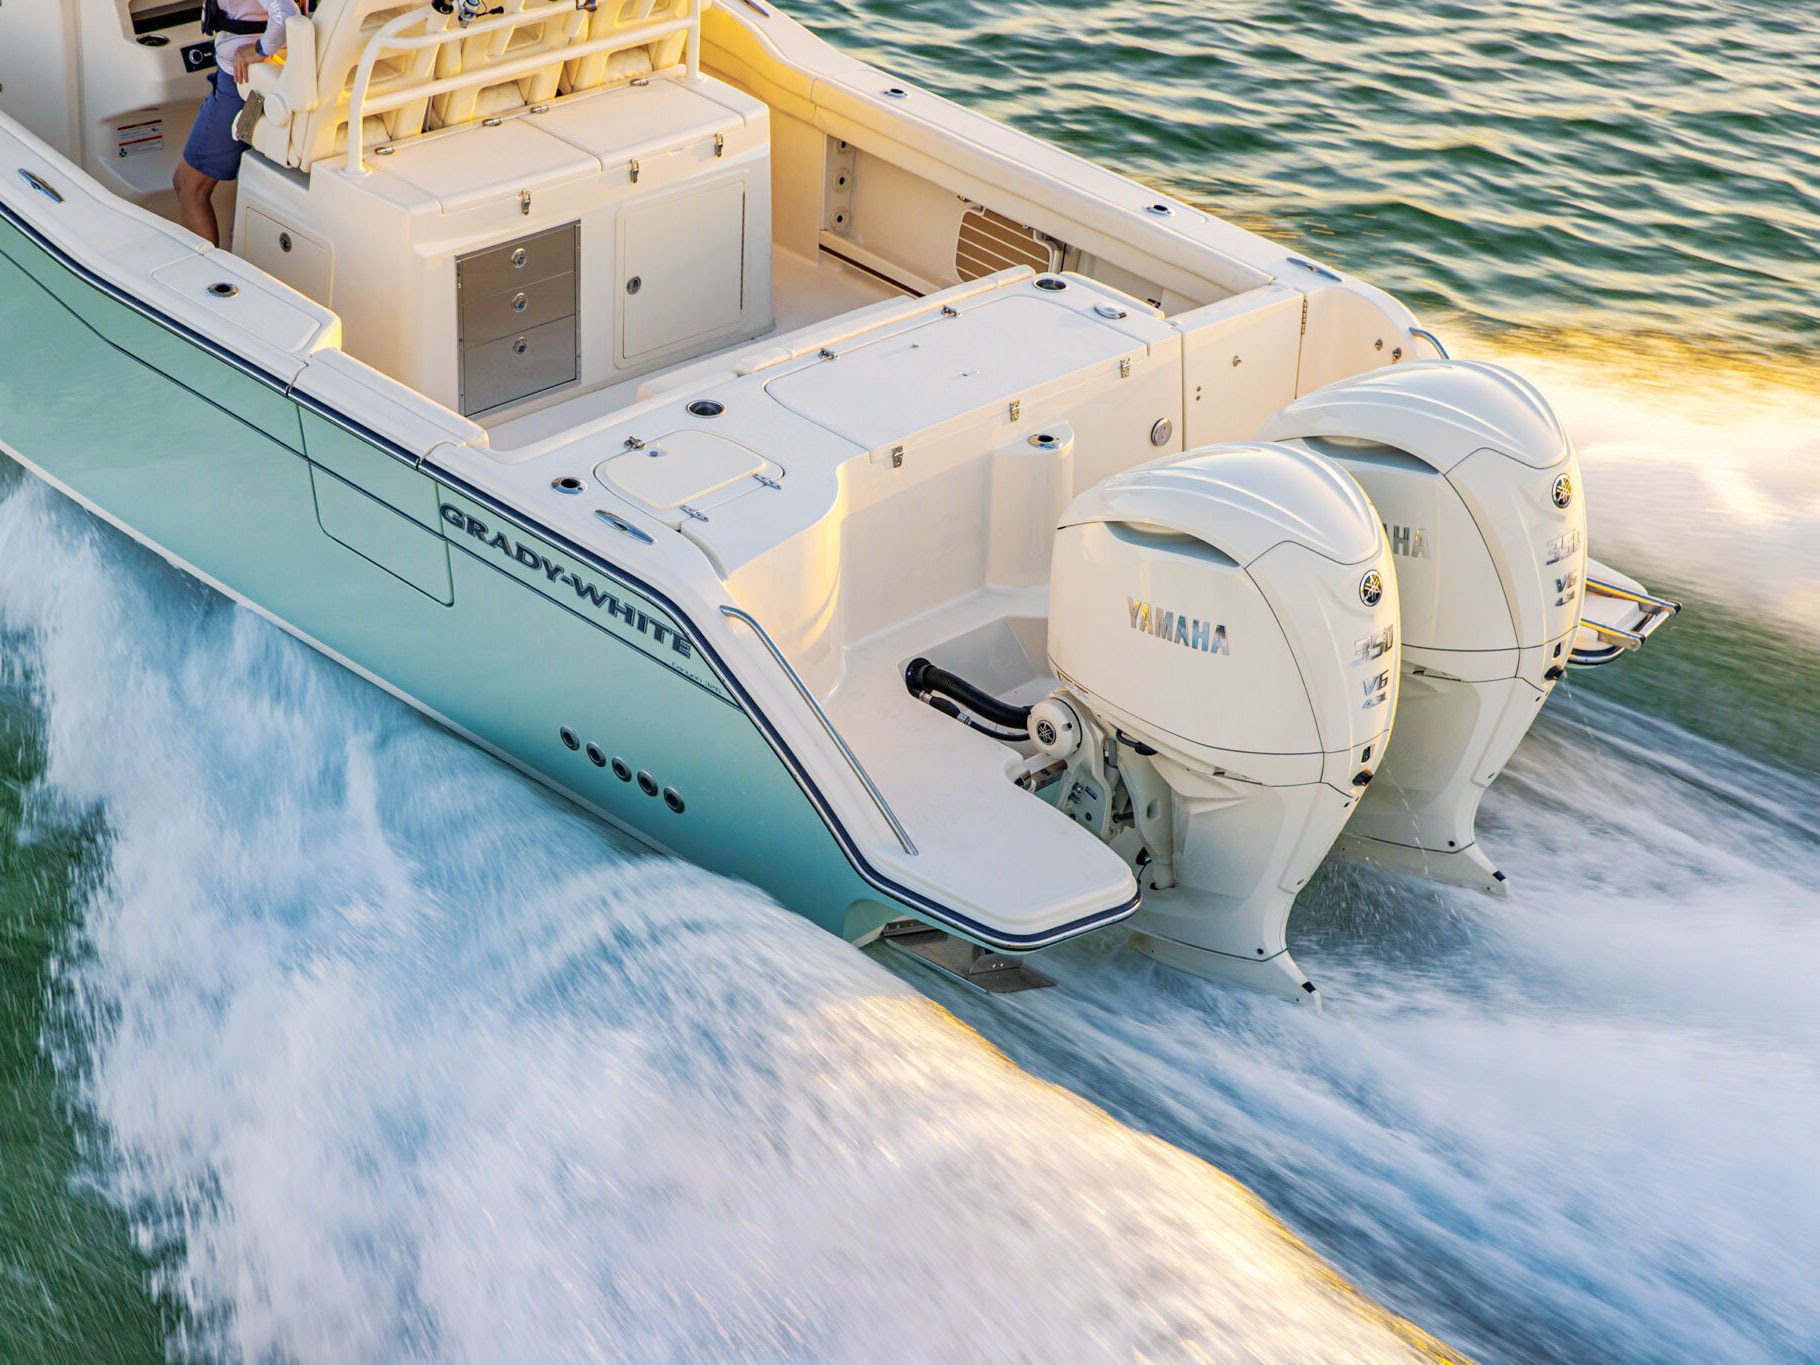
column 1431, row 339
column 859, row 771
column 1617, row 639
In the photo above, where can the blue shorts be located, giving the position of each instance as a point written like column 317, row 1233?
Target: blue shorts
column 211, row 148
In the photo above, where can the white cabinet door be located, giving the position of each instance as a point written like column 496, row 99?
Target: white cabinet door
column 682, row 269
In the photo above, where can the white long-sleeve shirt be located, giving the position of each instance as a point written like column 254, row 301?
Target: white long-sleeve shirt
column 274, row 12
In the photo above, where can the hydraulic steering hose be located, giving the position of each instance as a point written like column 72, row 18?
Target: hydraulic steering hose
column 927, row 681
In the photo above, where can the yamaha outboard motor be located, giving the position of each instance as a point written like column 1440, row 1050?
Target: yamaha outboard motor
column 1224, row 628
column 1478, row 487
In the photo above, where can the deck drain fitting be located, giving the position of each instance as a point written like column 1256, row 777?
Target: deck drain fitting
column 221, row 289
column 568, row 483
column 673, row 799
column 621, row 771
column 897, row 92
column 646, row 783
column 1052, row 284
column 596, row 757
column 1160, row 210
column 568, row 738
column 707, row 407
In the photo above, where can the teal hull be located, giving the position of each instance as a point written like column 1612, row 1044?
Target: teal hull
column 517, row 643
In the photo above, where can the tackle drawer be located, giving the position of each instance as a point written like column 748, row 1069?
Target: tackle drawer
column 518, row 365
column 487, row 317
column 512, row 265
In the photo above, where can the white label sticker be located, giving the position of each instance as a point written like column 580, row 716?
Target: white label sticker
column 138, row 137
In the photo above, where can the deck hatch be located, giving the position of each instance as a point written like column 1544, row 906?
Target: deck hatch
column 683, row 467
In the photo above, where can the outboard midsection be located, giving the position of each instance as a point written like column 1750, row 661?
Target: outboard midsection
column 1229, row 674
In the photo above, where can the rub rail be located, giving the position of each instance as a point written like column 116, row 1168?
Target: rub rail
column 859, row 770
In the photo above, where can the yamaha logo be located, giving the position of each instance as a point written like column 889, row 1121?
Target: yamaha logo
column 1563, row 491
column 1371, row 588
column 1206, row 636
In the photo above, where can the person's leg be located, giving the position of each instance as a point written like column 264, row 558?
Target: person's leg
column 210, row 156
column 196, row 202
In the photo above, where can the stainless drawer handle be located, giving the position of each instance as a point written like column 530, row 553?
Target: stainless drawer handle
column 520, row 346
column 520, row 303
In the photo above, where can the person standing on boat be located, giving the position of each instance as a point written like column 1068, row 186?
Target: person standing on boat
column 246, row 32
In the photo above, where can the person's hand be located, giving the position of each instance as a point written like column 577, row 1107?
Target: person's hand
column 244, row 61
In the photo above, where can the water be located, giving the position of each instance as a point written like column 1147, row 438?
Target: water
column 325, row 1038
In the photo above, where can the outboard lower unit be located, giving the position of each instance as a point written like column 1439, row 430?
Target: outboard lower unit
column 1224, row 628
column 1479, row 490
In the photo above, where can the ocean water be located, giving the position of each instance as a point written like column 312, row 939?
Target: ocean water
column 325, row 1038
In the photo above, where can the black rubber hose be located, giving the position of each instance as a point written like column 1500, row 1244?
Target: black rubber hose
column 953, row 712
column 924, row 678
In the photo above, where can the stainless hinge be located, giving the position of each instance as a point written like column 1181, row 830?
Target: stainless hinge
column 720, row 144
column 689, row 511
column 767, row 481
column 635, row 170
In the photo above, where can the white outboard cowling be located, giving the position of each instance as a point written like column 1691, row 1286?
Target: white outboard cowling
column 1224, row 628
column 1479, row 490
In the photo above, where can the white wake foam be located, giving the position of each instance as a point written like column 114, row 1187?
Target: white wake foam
column 402, row 1059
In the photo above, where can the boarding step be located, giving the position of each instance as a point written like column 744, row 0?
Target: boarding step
column 981, row 968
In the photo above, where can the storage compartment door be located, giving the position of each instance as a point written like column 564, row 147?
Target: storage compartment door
column 304, row 262
column 682, row 269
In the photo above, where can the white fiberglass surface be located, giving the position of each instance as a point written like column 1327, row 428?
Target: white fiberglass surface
column 804, row 292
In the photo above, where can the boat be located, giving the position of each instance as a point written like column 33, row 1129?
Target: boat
column 830, row 485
